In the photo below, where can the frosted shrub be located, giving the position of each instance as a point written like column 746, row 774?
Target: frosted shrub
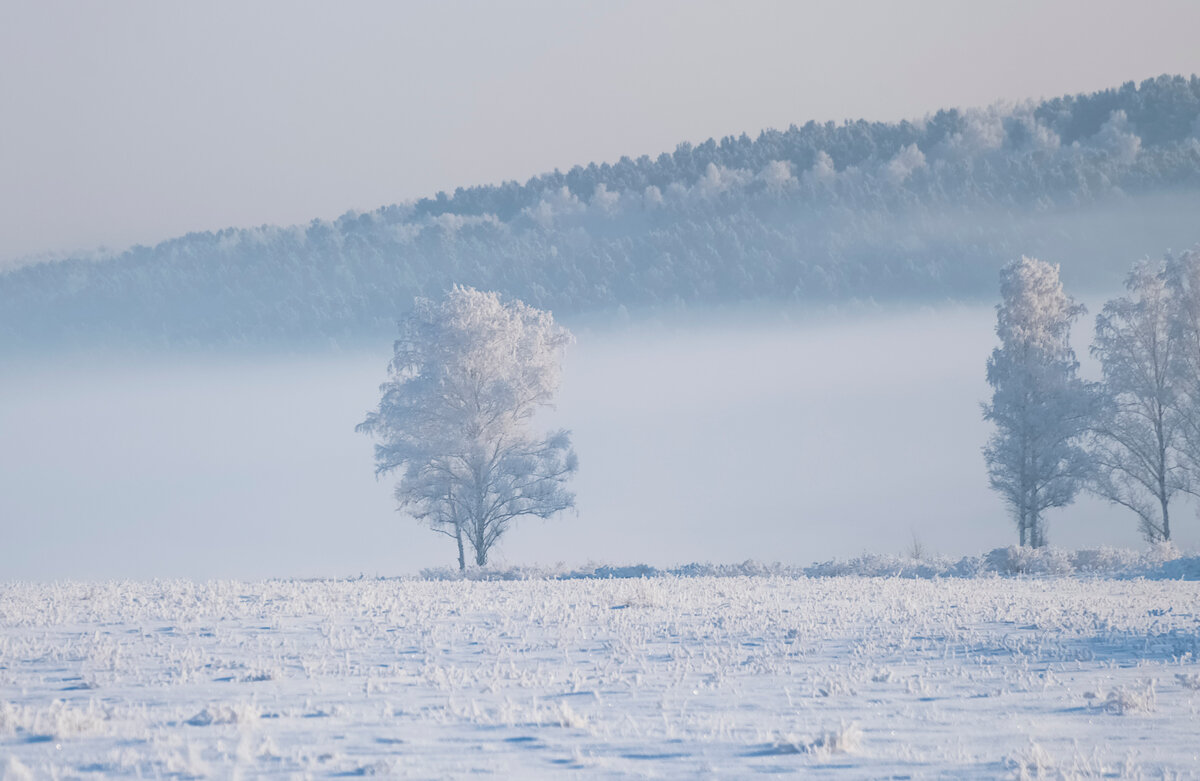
column 1161, row 552
column 970, row 567
column 847, row 739
column 1131, row 699
column 490, row 573
column 1106, row 560
column 1015, row 560
column 867, row 565
column 1189, row 680
column 874, row 565
column 238, row 713
column 1004, row 561
column 1049, row 561
column 748, row 568
column 1161, row 561
column 1035, row 762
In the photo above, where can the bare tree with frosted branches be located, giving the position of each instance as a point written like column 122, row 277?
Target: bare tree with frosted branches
column 1139, row 428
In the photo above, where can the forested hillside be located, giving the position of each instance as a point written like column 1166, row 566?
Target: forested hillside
column 911, row 210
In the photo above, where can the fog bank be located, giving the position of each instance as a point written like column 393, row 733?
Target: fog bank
column 773, row 437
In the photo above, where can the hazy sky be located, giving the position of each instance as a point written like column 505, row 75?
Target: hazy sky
column 124, row 122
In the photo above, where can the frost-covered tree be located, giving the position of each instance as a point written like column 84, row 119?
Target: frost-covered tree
column 468, row 374
column 1039, row 405
column 1138, row 428
column 1183, row 281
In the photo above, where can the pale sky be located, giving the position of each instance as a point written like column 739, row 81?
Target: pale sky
column 131, row 122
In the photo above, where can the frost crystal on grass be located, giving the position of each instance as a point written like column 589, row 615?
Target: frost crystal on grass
column 1188, row 680
column 847, row 739
column 1140, row 698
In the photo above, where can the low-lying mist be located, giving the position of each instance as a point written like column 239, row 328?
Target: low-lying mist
column 772, row 436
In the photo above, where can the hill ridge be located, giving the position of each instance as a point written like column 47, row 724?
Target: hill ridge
column 923, row 210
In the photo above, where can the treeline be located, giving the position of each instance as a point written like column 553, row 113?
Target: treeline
column 919, row 210
column 1132, row 438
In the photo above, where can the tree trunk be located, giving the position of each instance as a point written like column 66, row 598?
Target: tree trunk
column 479, row 527
column 1024, row 489
column 1162, row 476
column 1034, row 518
column 462, row 558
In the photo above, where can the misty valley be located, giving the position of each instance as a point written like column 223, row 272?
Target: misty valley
column 862, row 449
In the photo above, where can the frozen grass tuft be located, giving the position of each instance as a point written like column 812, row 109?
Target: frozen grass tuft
column 1032, row 763
column 1038, row 762
column 56, row 719
column 1188, row 680
column 846, row 739
column 1141, row 698
column 883, row 675
column 568, row 717
column 240, row 713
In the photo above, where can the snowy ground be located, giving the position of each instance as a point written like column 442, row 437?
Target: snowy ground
column 663, row 677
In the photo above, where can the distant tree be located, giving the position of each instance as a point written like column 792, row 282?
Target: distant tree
column 468, row 374
column 1138, row 427
column 1183, row 282
column 1039, row 405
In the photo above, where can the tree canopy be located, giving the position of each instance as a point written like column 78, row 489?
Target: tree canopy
column 468, row 374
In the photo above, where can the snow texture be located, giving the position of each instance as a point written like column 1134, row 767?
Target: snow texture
column 623, row 677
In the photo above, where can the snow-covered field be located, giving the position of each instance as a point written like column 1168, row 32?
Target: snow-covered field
column 659, row 677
